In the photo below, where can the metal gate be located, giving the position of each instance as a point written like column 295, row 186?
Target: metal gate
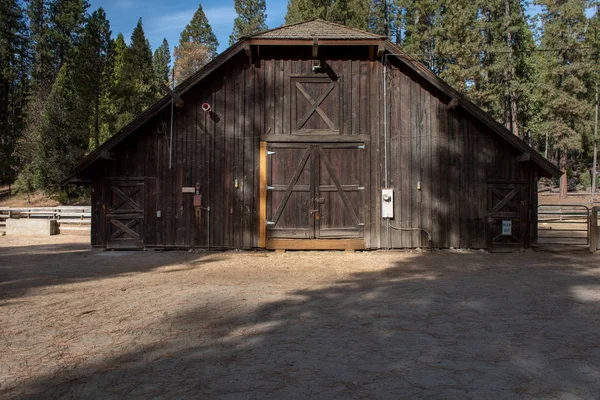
column 564, row 225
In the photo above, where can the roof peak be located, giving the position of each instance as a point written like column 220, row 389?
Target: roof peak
column 316, row 28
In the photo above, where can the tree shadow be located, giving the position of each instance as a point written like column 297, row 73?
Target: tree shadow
column 23, row 268
column 432, row 325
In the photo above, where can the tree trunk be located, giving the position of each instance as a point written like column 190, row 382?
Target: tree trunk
column 510, row 113
column 97, row 119
column 563, row 179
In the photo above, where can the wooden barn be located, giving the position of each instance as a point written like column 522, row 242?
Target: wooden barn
column 314, row 136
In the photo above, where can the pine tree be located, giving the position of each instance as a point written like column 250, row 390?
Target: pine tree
column 200, row 31
column 111, row 101
column 509, row 63
column 421, row 22
column 66, row 21
column 89, row 67
column 593, row 41
column 385, row 18
column 565, row 111
column 161, row 61
column 136, row 86
column 13, row 83
column 352, row 13
column 251, row 18
column 42, row 71
column 303, row 10
column 63, row 134
column 460, row 45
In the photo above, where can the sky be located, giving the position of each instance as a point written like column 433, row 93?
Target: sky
column 166, row 19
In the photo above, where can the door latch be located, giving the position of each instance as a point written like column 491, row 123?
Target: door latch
column 319, row 200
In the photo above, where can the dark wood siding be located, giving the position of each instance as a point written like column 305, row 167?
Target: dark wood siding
column 440, row 161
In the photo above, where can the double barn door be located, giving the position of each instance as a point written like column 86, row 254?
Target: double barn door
column 315, row 191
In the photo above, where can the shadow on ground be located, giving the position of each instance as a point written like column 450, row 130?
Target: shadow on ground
column 23, row 268
column 430, row 325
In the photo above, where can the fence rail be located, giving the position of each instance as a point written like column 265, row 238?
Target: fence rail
column 68, row 217
column 563, row 224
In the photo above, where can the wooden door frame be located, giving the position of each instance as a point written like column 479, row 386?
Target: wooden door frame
column 306, row 244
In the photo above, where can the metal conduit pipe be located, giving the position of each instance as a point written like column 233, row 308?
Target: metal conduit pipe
column 385, row 140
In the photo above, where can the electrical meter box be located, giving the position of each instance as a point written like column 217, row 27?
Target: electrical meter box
column 387, row 203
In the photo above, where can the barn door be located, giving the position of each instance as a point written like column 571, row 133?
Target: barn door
column 289, row 191
column 339, row 192
column 507, row 216
column 124, row 223
column 314, row 191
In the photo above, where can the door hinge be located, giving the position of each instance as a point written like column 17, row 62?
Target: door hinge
column 270, row 187
column 361, row 146
column 270, row 223
column 270, row 153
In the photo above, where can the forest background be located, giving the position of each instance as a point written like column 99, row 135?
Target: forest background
column 67, row 83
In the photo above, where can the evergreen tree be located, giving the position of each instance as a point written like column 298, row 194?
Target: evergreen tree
column 352, row 13
column 136, row 86
column 460, row 44
column 200, row 31
column 302, row 10
column 161, row 61
column 63, row 134
column 42, row 75
column 89, row 67
column 565, row 111
column 251, row 18
column 385, row 18
column 421, row 22
column 66, row 19
column 111, row 101
column 510, row 64
column 13, row 83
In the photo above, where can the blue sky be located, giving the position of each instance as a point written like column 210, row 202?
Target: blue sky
column 166, row 19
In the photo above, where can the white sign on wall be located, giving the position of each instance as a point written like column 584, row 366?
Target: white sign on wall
column 506, row 227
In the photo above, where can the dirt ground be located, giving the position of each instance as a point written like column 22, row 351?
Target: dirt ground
column 78, row 323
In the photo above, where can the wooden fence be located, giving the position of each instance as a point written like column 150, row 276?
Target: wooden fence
column 70, row 218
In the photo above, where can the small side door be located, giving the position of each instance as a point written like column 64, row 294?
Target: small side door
column 507, row 216
column 124, row 221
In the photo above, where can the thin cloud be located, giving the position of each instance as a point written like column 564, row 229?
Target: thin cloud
column 220, row 15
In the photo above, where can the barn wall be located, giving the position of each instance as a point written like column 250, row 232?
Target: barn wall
column 453, row 157
column 447, row 152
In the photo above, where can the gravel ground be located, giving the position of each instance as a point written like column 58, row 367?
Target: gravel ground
column 81, row 323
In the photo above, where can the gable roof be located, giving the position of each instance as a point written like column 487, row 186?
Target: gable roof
column 326, row 31
column 316, row 29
